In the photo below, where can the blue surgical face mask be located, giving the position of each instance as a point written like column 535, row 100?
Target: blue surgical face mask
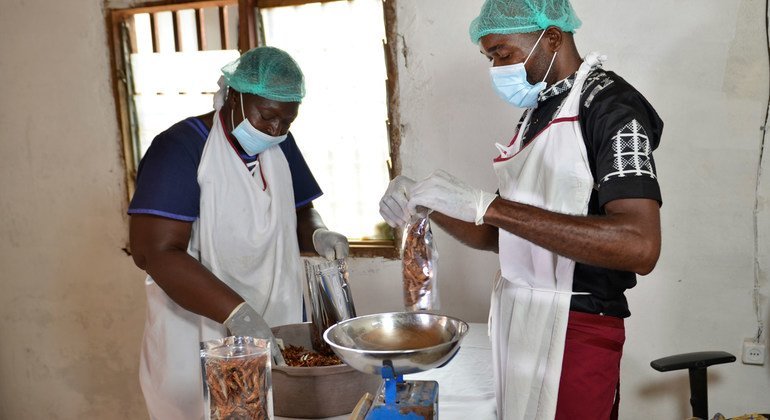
column 251, row 139
column 511, row 83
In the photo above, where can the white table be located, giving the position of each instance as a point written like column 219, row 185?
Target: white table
column 466, row 384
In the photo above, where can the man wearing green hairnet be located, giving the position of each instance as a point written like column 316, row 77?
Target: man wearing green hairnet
column 223, row 204
column 575, row 218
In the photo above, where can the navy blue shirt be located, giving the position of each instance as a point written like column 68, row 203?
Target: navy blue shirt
column 167, row 179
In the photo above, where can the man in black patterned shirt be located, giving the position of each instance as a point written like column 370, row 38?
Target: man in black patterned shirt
column 576, row 216
column 620, row 130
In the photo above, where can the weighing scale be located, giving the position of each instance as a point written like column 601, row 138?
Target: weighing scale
column 393, row 345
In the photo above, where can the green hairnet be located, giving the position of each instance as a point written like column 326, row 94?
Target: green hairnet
column 268, row 72
column 522, row 16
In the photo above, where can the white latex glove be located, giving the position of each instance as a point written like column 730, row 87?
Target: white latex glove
column 330, row 245
column 393, row 205
column 448, row 195
column 245, row 321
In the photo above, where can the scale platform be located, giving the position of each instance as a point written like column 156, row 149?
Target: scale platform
column 393, row 345
column 399, row 399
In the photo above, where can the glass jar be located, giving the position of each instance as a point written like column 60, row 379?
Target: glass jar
column 236, row 378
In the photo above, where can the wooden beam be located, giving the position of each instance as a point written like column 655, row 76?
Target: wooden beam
column 224, row 34
column 131, row 26
column 247, row 25
column 261, row 42
column 120, row 92
column 283, row 3
column 177, row 31
column 170, row 6
column 393, row 124
column 154, row 33
column 390, row 47
column 200, row 28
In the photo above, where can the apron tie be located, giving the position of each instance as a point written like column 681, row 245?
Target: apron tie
column 561, row 292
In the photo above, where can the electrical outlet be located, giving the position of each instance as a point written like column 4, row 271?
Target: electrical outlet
column 753, row 352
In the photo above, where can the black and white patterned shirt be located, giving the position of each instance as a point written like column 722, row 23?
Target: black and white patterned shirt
column 620, row 129
column 556, row 89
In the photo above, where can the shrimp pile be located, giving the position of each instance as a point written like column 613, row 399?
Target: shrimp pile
column 299, row 356
column 238, row 388
column 418, row 267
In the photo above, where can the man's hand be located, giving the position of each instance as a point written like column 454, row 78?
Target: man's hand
column 448, row 195
column 245, row 321
column 393, row 205
column 330, row 245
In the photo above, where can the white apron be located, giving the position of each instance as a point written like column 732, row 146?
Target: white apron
column 247, row 236
column 531, row 297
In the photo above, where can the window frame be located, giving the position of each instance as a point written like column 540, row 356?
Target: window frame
column 250, row 35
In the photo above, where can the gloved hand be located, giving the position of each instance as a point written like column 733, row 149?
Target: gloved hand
column 245, row 321
column 448, row 195
column 393, row 205
column 330, row 245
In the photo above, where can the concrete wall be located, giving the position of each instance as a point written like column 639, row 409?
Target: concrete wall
column 72, row 304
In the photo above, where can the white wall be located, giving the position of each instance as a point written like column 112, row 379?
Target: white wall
column 706, row 71
column 72, row 304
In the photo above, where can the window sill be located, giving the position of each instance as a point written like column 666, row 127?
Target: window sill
column 368, row 249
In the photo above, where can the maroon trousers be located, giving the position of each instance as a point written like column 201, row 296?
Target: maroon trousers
column 590, row 374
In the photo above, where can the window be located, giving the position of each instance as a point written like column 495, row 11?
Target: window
column 167, row 59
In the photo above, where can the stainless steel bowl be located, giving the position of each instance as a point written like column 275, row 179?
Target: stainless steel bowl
column 411, row 341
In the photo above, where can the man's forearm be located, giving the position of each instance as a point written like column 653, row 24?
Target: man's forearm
column 482, row 237
column 627, row 238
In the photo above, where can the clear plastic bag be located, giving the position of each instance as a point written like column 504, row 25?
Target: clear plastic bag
column 330, row 298
column 419, row 260
column 236, row 378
